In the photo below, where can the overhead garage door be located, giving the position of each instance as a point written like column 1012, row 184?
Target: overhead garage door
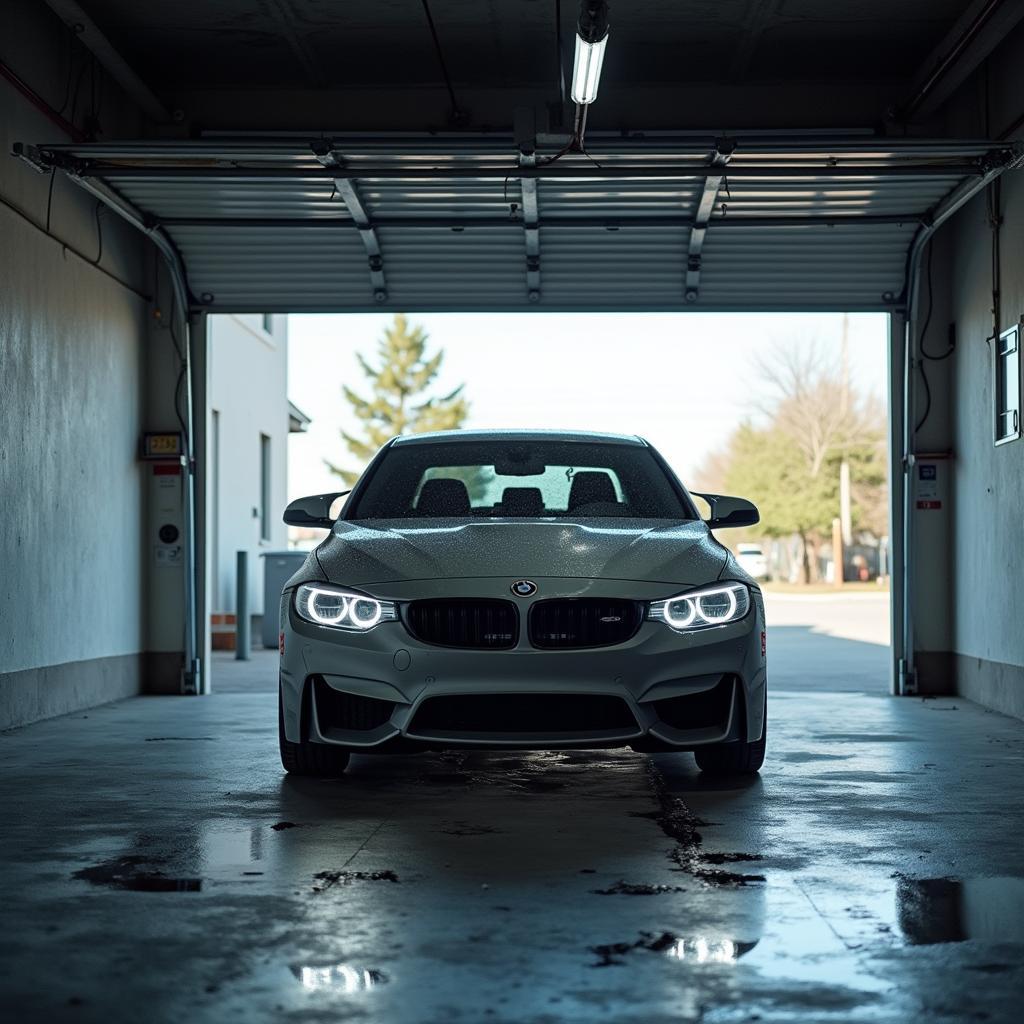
column 808, row 222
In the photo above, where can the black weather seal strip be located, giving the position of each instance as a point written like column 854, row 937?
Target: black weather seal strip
column 724, row 149
column 346, row 190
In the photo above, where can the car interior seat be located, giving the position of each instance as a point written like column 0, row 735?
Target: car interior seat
column 443, row 498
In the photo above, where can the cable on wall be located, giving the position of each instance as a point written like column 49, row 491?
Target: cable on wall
column 457, row 114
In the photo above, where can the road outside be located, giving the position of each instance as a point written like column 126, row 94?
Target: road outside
column 817, row 642
column 824, row 642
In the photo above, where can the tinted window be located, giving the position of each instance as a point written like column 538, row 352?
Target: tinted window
column 542, row 479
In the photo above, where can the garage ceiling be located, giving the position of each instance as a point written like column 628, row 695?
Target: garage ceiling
column 651, row 223
column 229, row 64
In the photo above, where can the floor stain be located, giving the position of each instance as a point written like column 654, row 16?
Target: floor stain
column 728, row 858
column 622, row 888
column 679, row 823
column 178, row 739
column 137, row 874
column 329, row 879
column 282, row 825
column 611, row 955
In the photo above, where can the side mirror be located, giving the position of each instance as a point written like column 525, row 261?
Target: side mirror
column 314, row 510
column 729, row 511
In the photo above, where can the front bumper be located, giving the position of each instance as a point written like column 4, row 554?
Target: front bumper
column 660, row 690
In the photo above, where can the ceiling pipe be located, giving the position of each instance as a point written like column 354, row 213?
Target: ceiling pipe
column 977, row 33
column 44, row 108
column 86, row 30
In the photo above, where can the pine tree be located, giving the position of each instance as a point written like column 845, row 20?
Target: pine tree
column 398, row 384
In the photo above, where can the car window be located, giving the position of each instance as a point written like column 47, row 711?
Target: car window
column 489, row 479
column 487, row 488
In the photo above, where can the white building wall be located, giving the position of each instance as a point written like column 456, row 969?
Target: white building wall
column 248, row 384
column 72, row 362
column 985, row 583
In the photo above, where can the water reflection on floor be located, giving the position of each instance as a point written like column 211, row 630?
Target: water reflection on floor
column 935, row 910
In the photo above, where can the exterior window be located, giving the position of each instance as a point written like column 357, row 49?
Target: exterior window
column 1007, row 386
column 268, row 323
column 264, row 487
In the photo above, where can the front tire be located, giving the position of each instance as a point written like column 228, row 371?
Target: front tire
column 313, row 760
column 736, row 758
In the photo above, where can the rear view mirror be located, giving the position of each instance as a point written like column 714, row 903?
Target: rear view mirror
column 314, row 510
column 728, row 511
column 518, row 467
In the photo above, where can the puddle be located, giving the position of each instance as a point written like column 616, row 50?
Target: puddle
column 700, row 949
column 329, row 879
column 621, row 888
column 678, row 822
column 347, row 978
column 138, row 874
column 936, row 910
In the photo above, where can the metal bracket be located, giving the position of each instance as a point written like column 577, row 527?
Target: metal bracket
column 347, row 191
column 724, row 149
column 531, row 228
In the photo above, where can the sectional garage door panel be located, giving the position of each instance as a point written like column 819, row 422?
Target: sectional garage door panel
column 751, row 223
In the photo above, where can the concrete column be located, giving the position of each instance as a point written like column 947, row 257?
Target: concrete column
column 928, row 478
column 163, row 530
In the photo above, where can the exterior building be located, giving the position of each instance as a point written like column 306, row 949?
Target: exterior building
column 251, row 419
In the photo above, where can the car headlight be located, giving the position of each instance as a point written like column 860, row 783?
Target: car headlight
column 325, row 605
column 700, row 609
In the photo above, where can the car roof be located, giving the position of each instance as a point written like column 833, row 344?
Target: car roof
column 585, row 436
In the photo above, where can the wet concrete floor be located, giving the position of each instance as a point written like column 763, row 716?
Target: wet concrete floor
column 156, row 865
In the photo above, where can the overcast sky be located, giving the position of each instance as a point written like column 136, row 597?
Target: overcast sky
column 682, row 380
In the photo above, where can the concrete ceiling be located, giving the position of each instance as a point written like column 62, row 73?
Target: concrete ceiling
column 352, row 66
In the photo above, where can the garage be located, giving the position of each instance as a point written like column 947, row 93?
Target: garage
column 164, row 167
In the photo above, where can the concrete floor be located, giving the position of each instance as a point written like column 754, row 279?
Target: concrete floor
column 157, row 865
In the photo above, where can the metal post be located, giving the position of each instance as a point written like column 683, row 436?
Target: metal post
column 242, row 607
column 897, row 576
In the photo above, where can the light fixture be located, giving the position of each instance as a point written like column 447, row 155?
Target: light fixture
column 699, row 609
column 325, row 605
column 591, row 38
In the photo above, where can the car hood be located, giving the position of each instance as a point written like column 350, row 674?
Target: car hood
column 387, row 551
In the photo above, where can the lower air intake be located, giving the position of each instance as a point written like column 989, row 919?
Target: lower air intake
column 536, row 713
column 705, row 710
column 350, row 711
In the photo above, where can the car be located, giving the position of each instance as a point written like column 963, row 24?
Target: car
column 521, row 590
column 753, row 560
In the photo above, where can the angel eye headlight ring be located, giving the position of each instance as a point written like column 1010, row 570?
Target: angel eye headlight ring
column 337, row 608
column 703, row 608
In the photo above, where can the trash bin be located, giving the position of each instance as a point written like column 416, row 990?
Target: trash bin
column 278, row 568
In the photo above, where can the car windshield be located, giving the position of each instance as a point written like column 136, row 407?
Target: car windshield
column 502, row 478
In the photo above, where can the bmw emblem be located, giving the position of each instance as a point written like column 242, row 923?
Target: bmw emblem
column 524, row 588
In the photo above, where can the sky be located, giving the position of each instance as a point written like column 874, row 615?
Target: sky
column 681, row 380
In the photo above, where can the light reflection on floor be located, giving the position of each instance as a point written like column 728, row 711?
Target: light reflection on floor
column 341, row 978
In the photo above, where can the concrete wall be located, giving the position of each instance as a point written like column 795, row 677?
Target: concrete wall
column 73, row 326
column 248, row 386
column 980, row 595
